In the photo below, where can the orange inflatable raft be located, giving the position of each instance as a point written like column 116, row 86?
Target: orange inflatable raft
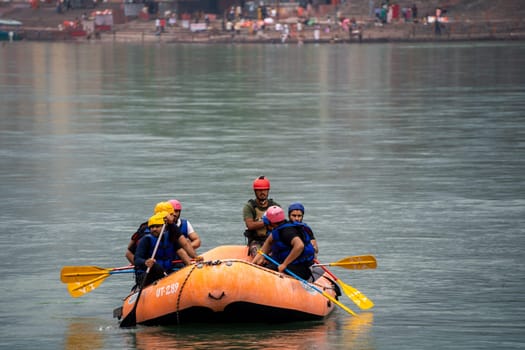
column 226, row 287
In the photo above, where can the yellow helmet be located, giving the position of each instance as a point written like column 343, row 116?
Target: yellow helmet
column 163, row 206
column 157, row 219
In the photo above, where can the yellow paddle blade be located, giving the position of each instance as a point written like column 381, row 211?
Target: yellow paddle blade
column 71, row 274
column 78, row 289
column 341, row 305
column 356, row 296
column 358, row 262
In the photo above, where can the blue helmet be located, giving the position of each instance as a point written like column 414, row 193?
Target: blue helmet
column 296, row 206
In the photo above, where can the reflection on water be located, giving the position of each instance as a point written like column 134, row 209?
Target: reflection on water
column 353, row 332
column 357, row 331
column 84, row 334
column 334, row 332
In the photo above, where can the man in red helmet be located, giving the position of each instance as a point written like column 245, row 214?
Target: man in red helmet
column 253, row 212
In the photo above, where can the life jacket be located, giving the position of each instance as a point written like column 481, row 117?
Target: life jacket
column 184, row 231
column 257, row 213
column 254, row 206
column 280, row 250
column 141, row 232
column 165, row 251
column 184, row 227
column 308, row 230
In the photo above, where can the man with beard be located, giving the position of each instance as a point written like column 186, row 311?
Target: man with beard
column 253, row 212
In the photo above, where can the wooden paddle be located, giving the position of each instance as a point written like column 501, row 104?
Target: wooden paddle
column 356, row 296
column 131, row 318
column 323, row 293
column 358, row 262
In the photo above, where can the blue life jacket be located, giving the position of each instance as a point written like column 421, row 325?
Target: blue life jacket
column 280, row 250
column 184, row 227
column 165, row 251
column 184, row 231
column 308, row 230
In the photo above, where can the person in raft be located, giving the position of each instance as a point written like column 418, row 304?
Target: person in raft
column 184, row 224
column 172, row 245
column 296, row 214
column 288, row 243
column 144, row 230
column 252, row 213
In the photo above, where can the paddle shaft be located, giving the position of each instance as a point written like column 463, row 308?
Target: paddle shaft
column 131, row 318
column 323, row 293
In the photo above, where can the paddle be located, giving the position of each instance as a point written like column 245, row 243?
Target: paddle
column 131, row 318
column 81, row 284
column 356, row 296
column 326, row 295
column 72, row 274
column 358, row 262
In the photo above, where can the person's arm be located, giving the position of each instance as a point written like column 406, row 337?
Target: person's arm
column 297, row 250
column 252, row 224
column 314, row 244
column 184, row 256
column 195, row 240
column 129, row 254
column 185, row 244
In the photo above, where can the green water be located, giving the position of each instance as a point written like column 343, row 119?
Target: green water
column 412, row 153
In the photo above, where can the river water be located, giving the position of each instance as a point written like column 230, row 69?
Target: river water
column 414, row 153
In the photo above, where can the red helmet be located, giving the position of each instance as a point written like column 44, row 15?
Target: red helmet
column 261, row 183
column 175, row 204
column 275, row 214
